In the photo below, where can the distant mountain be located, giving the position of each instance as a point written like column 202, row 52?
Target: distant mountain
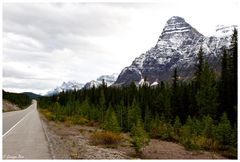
column 224, row 30
column 32, row 95
column 66, row 86
column 92, row 84
column 108, row 79
column 73, row 85
column 177, row 47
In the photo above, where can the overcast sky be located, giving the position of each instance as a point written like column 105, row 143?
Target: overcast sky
column 45, row 44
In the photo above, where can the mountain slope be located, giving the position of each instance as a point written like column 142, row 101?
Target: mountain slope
column 177, row 47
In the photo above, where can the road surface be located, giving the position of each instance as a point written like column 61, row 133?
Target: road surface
column 23, row 135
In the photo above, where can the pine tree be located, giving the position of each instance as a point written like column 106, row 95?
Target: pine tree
column 232, row 109
column 206, row 96
column 175, row 96
column 199, row 66
column 134, row 114
column 85, row 108
column 175, row 79
column 208, row 130
column 111, row 122
column 147, row 119
column 177, row 126
column 224, row 131
column 102, row 104
column 224, row 85
column 140, row 139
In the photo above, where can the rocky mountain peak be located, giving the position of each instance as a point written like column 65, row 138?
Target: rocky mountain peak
column 177, row 32
column 177, row 47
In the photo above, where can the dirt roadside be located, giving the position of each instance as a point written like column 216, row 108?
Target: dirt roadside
column 73, row 142
column 8, row 106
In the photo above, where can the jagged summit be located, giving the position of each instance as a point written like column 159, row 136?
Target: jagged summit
column 177, row 32
column 176, row 24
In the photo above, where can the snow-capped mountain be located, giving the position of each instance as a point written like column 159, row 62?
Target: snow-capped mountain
column 73, row 85
column 224, row 30
column 66, row 86
column 108, row 79
column 177, row 47
column 92, row 84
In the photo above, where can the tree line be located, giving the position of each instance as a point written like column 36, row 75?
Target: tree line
column 200, row 113
column 21, row 100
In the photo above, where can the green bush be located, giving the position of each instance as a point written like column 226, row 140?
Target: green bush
column 189, row 143
column 57, row 117
column 78, row 120
column 206, row 143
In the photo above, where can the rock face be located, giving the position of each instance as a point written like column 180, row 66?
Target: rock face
column 177, row 47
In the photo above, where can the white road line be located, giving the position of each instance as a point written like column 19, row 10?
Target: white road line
column 17, row 123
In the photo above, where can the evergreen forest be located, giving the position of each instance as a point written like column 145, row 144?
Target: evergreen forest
column 21, row 100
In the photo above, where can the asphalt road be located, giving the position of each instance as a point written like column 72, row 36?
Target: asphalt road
column 23, row 135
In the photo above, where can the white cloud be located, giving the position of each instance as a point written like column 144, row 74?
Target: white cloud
column 45, row 44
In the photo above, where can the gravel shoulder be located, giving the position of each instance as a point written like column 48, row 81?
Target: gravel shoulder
column 73, row 142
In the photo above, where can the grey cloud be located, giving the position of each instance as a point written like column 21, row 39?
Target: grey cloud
column 56, row 27
column 12, row 72
column 23, row 84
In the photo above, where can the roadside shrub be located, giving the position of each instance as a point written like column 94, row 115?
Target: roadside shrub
column 189, row 144
column 106, row 138
column 206, row 143
column 57, row 117
column 46, row 113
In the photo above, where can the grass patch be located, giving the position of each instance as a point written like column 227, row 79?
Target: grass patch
column 51, row 116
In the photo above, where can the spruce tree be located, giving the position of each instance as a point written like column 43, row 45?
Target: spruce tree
column 232, row 109
column 102, row 105
column 208, row 130
column 175, row 97
column 199, row 66
column 206, row 96
column 224, row 85
column 110, row 121
column 140, row 138
column 224, row 131
column 177, row 126
column 134, row 114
